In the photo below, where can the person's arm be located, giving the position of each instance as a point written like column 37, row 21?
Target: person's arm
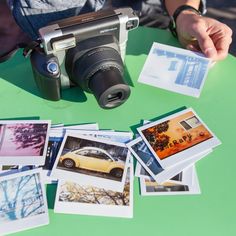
column 171, row 5
column 197, row 32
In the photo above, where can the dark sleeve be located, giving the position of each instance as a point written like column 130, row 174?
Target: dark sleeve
column 202, row 7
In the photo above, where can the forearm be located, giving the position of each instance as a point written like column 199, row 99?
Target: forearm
column 172, row 5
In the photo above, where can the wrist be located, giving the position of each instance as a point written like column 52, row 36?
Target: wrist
column 181, row 12
column 186, row 16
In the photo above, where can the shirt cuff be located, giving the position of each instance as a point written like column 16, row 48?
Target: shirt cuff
column 202, row 7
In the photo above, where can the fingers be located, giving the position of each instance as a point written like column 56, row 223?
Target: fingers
column 223, row 43
column 214, row 38
column 222, row 52
column 205, row 42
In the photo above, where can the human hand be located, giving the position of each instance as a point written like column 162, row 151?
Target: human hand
column 199, row 33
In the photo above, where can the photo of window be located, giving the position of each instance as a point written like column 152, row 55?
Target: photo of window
column 190, row 123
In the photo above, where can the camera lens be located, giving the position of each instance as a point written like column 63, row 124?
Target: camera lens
column 100, row 71
column 108, row 87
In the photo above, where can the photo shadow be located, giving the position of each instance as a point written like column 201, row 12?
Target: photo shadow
column 22, row 118
column 51, row 190
column 134, row 127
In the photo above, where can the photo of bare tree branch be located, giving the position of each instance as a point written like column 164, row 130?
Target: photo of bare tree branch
column 73, row 192
column 20, row 139
column 21, row 197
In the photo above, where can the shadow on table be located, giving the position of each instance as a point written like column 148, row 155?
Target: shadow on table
column 18, row 71
column 134, row 127
column 140, row 40
column 51, row 195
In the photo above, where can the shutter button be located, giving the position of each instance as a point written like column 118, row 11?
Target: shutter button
column 52, row 67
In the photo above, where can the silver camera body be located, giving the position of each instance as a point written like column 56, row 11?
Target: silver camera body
column 82, row 49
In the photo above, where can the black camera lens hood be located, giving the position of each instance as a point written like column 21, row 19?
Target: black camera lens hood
column 109, row 88
column 91, row 62
column 100, row 71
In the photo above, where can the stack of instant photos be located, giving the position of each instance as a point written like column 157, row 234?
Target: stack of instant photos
column 93, row 168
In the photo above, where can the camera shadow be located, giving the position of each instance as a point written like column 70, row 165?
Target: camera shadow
column 18, row 71
column 141, row 39
column 127, row 77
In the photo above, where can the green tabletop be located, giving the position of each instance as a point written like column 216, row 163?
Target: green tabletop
column 213, row 212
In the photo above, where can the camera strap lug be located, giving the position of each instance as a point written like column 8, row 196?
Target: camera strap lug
column 30, row 48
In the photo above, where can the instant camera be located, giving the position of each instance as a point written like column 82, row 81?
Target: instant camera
column 87, row 51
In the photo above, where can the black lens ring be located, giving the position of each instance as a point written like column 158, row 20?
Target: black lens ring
column 93, row 61
column 109, row 88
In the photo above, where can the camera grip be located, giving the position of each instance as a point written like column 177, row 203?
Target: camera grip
column 47, row 75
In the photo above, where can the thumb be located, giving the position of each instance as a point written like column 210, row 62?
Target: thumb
column 205, row 42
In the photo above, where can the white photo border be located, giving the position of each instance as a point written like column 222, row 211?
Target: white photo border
column 95, row 209
column 33, row 221
column 83, row 178
column 184, row 154
column 26, row 160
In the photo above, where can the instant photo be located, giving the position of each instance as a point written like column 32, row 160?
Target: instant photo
column 175, row 69
column 140, row 150
column 140, row 172
column 63, row 129
column 98, row 162
column 114, row 136
column 23, row 203
column 54, row 143
column 146, row 158
column 23, row 142
column 177, row 138
column 73, row 198
column 150, row 187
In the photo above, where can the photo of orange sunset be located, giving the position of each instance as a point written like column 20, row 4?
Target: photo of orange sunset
column 177, row 134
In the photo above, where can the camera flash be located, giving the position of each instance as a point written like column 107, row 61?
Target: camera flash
column 64, row 44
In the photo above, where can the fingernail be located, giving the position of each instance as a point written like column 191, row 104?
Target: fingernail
column 210, row 52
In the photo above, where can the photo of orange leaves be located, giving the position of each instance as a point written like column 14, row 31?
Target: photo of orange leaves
column 176, row 135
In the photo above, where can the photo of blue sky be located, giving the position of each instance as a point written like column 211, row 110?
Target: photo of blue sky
column 147, row 157
column 189, row 71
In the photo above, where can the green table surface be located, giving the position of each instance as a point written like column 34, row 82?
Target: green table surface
column 213, row 212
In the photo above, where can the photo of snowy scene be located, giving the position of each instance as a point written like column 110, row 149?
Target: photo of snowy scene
column 21, row 197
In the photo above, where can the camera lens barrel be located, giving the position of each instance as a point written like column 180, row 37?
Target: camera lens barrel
column 107, row 87
column 100, row 71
